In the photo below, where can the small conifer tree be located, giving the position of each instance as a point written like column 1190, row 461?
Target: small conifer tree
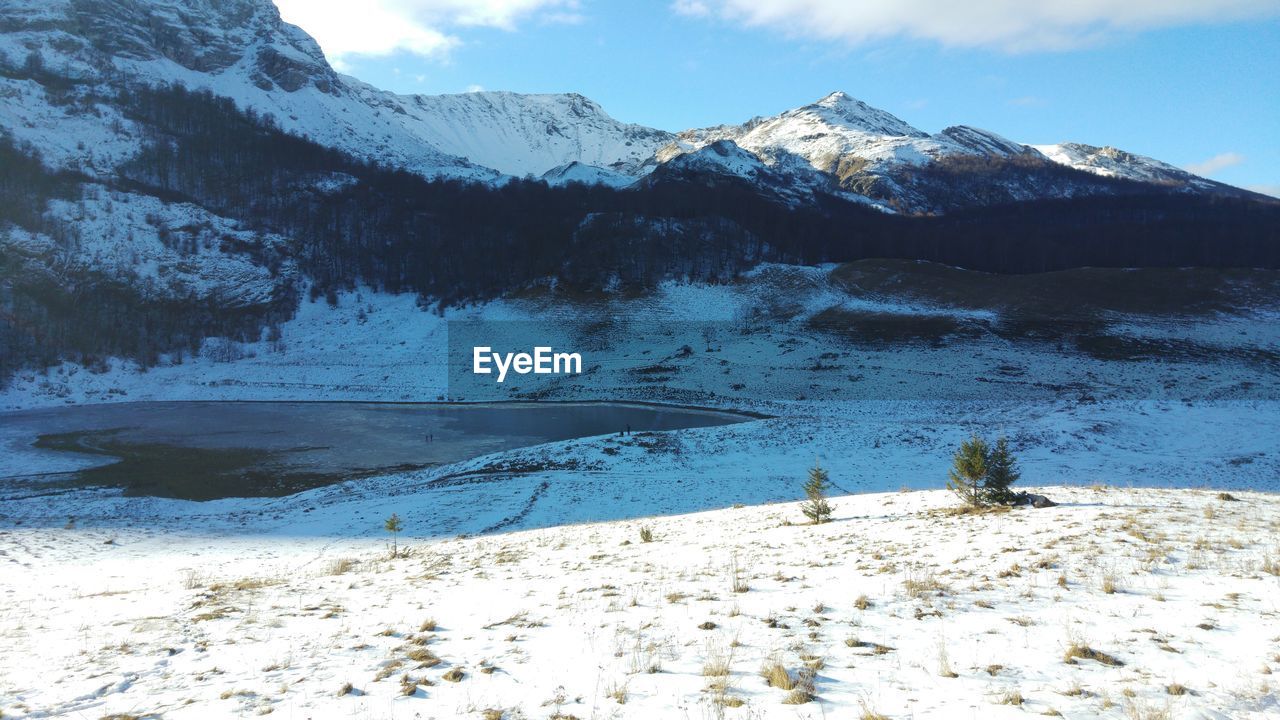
column 969, row 471
column 394, row 526
column 1002, row 471
column 816, row 507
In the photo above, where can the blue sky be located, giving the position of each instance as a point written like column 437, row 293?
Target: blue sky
column 1191, row 82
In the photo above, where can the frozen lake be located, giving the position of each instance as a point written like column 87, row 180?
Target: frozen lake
column 206, row 450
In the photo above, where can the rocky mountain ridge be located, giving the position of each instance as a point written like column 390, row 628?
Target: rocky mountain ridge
column 52, row 53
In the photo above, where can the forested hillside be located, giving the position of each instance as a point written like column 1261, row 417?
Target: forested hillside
column 299, row 211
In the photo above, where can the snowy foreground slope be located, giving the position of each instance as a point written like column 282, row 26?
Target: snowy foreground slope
column 138, row 606
column 1117, row 604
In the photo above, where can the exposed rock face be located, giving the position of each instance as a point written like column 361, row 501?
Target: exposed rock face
column 202, row 36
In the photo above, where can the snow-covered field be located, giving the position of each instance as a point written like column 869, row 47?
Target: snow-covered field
column 122, row 605
column 1119, row 603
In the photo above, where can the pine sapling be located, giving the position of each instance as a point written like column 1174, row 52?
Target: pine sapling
column 1002, row 472
column 816, row 507
column 969, row 471
column 393, row 525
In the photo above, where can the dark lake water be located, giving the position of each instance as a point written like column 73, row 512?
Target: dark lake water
column 206, row 450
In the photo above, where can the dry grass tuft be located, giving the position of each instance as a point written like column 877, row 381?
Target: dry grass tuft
column 737, row 577
column 804, row 690
column 868, row 713
column 617, row 692
column 341, row 566
column 1079, row 650
column 919, row 585
column 944, row 662
column 1138, row 710
column 776, row 675
column 424, row 657
column 1270, row 565
column 1109, row 583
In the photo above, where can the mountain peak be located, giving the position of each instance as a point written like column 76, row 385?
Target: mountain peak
column 840, row 98
column 842, row 109
column 520, row 134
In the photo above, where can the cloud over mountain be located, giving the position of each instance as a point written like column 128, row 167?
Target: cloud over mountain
column 1218, row 162
column 1008, row 25
column 423, row 27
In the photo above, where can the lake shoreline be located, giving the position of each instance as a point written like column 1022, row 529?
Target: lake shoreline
column 205, row 450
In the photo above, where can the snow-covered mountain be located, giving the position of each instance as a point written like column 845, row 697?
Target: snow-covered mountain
column 239, row 49
column 521, row 134
column 52, row 50
column 1111, row 162
column 872, row 153
column 839, row 134
column 848, row 139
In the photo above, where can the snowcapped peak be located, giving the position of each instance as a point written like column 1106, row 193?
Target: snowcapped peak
column 840, row 108
column 838, row 134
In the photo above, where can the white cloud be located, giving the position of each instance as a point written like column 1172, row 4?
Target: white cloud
column 423, row 27
column 691, row 8
column 1215, row 163
column 475, row 88
column 1012, row 25
column 564, row 18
